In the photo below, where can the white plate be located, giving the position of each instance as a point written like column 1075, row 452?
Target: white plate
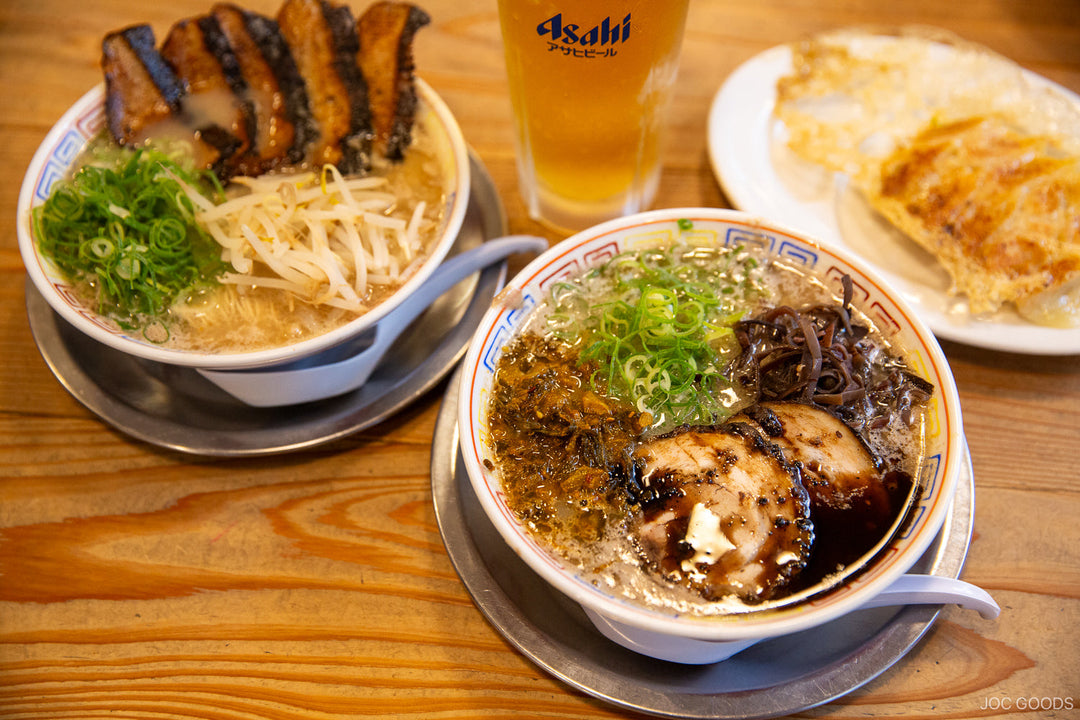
column 760, row 175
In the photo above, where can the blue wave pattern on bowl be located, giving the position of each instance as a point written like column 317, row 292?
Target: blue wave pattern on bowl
column 63, row 154
column 59, row 162
column 505, row 330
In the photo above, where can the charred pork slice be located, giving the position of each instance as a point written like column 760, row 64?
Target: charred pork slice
column 142, row 91
column 296, row 107
column 322, row 39
column 215, row 104
column 728, row 515
column 839, row 471
column 273, row 130
column 386, row 31
column 852, row 501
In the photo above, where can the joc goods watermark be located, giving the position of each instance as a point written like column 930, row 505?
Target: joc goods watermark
column 1044, row 703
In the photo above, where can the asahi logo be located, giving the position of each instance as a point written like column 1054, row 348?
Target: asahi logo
column 607, row 32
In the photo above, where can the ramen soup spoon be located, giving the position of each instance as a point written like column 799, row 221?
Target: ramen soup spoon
column 910, row 589
column 306, row 380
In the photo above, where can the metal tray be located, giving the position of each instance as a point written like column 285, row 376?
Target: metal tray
column 176, row 408
column 773, row 678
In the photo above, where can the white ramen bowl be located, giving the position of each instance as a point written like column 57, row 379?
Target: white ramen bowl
column 86, row 119
column 688, row 637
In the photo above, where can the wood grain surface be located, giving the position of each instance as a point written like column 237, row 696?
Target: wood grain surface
column 142, row 583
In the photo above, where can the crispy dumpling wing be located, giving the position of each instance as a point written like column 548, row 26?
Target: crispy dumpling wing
column 999, row 208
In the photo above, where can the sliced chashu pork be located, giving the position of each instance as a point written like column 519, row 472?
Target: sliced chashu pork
column 323, row 41
column 728, row 515
column 386, row 31
column 854, row 497
column 142, row 90
column 215, row 98
column 254, row 92
column 838, row 470
column 274, row 88
column 146, row 98
column 749, row 507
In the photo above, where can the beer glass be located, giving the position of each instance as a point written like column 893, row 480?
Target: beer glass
column 590, row 82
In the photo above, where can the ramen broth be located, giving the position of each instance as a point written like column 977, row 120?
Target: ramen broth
column 549, row 427
column 233, row 318
column 208, row 321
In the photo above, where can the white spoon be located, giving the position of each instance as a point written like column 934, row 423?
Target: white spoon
column 298, row 382
column 934, row 590
column 910, row 589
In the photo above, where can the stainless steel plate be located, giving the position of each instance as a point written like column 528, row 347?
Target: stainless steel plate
column 773, row 678
column 175, row 407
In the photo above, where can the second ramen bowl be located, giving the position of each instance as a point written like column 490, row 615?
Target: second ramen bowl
column 687, row 636
column 58, row 155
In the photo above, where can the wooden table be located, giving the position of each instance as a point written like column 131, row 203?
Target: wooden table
column 142, row 583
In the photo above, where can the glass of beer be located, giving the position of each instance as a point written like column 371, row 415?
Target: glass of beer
column 590, row 82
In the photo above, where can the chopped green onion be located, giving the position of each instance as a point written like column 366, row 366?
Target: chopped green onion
column 123, row 226
column 657, row 323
